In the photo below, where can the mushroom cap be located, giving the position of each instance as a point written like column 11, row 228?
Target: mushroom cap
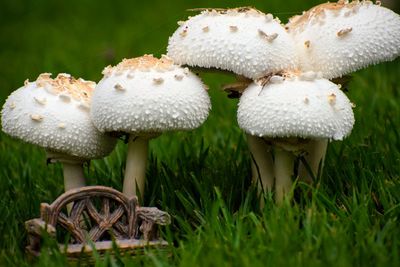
column 244, row 41
column 54, row 114
column 146, row 95
column 339, row 38
column 298, row 106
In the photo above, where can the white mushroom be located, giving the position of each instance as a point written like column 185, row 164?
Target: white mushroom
column 244, row 41
column 160, row 96
column 38, row 113
column 291, row 114
column 339, row 38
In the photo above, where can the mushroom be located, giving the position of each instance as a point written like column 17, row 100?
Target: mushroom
column 241, row 40
column 143, row 97
column 291, row 112
column 340, row 38
column 54, row 114
column 245, row 41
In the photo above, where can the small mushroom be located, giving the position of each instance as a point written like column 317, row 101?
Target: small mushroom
column 277, row 113
column 74, row 140
column 160, row 97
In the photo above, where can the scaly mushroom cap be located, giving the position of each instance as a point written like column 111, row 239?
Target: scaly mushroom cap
column 54, row 114
column 296, row 106
column 244, row 41
column 339, row 38
column 149, row 95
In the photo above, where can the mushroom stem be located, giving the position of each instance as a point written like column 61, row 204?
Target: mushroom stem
column 135, row 170
column 315, row 157
column 261, row 163
column 73, row 175
column 283, row 169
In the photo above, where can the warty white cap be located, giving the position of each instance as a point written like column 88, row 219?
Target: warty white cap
column 244, row 41
column 146, row 95
column 54, row 114
column 300, row 105
column 340, row 38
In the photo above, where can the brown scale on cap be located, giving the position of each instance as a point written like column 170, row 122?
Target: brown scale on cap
column 289, row 73
column 247, row 9
column 143, row 63
column 343, row 32
column 78, row 89
column 318, row 12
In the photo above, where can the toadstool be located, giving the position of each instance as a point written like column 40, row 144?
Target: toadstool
column 54, row 114
column 290, row 112
column 244, row 41
column 144, row 97
column 340, row 38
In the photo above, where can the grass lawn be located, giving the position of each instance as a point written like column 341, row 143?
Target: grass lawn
column 350, row 217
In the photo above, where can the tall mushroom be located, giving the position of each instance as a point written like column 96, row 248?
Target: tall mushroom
column 244, row 41
column 339, row 38
column 143, row 97
column 54, row 114
column 290, row 112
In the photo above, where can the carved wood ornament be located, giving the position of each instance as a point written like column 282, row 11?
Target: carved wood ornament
column 98, row 215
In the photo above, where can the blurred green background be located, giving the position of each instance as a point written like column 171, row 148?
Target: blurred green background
column 82, row 37
column 203, row 177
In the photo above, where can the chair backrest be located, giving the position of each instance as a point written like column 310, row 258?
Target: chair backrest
column 75, row 209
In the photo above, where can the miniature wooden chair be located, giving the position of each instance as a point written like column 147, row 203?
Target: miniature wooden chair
column 98, row 215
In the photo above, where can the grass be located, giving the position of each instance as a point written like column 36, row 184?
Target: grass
column 350, row 217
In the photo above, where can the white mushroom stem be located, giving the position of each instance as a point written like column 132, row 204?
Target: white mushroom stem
column 72, row 169
column 315, row 157
column 261, row 163
column 135, row 170
column 73, row 175
column 283, row 170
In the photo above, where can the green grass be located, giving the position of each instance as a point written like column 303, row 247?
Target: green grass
column 348, row 218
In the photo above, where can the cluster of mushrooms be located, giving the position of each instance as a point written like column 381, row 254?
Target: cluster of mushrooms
column 289, row 107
